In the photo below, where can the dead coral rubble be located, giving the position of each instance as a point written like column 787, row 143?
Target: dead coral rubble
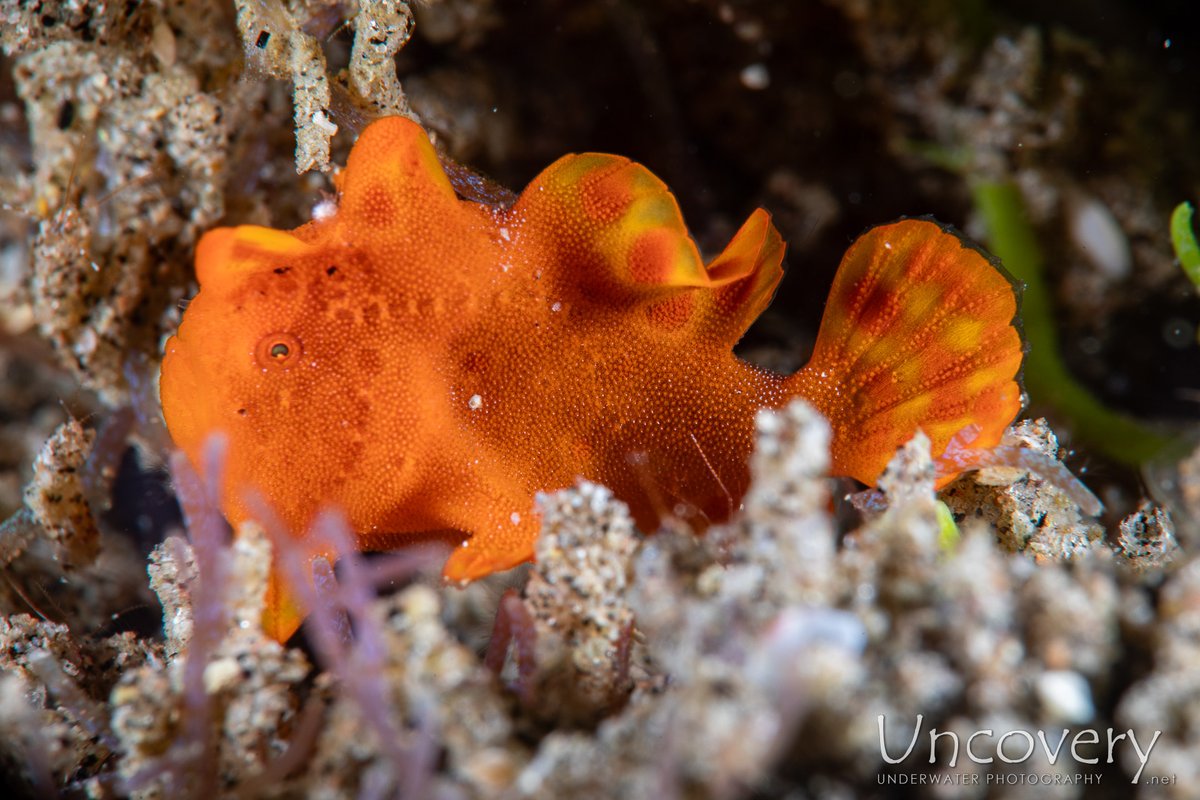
column 764, row 655
column 1030, row 513
column 139, row 122
column 57, row 499
column 54, row 540
column 247, row 684
column 282, row 43
column 129, row 158
column 1169, row 698
column 581, row 625
column 58, row 686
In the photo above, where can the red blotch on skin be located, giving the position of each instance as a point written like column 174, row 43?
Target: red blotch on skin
column 607, row 197
column 673, row 314
column 652, row 256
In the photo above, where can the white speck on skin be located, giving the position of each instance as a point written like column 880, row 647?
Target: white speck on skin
column 887, row 245
column 556, row 307
column 505, row 235
column 516, row 518
column 475, row 402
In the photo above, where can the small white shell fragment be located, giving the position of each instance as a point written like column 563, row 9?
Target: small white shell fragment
column 220, row 675
column 755, row 77
column 1065, row 696
column 322, row 121
column 1098, row 235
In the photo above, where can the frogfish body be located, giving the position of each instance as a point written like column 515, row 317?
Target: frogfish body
column 427, row 363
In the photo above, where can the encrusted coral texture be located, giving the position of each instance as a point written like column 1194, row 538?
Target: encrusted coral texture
column 759, row 656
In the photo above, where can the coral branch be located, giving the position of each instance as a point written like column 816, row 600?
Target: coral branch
column 960, row 456
column 87, row 712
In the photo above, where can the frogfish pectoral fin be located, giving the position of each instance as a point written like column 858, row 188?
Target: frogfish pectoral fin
column 918, row 332
column 287, row 605
column 282, row 611
column 499, row 545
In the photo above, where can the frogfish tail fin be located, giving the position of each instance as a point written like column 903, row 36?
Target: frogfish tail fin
column 919, row 332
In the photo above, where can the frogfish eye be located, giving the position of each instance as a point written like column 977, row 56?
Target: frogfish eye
column 278, row 351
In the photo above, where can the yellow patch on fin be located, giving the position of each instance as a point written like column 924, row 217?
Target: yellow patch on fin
column 225, row 255
column 622, row 225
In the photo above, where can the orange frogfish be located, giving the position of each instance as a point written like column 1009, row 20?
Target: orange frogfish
column 427, row 364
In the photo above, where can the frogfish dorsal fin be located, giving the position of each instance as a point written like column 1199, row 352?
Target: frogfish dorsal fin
column 744, row 276
column 625, row 239
column 394, row 182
